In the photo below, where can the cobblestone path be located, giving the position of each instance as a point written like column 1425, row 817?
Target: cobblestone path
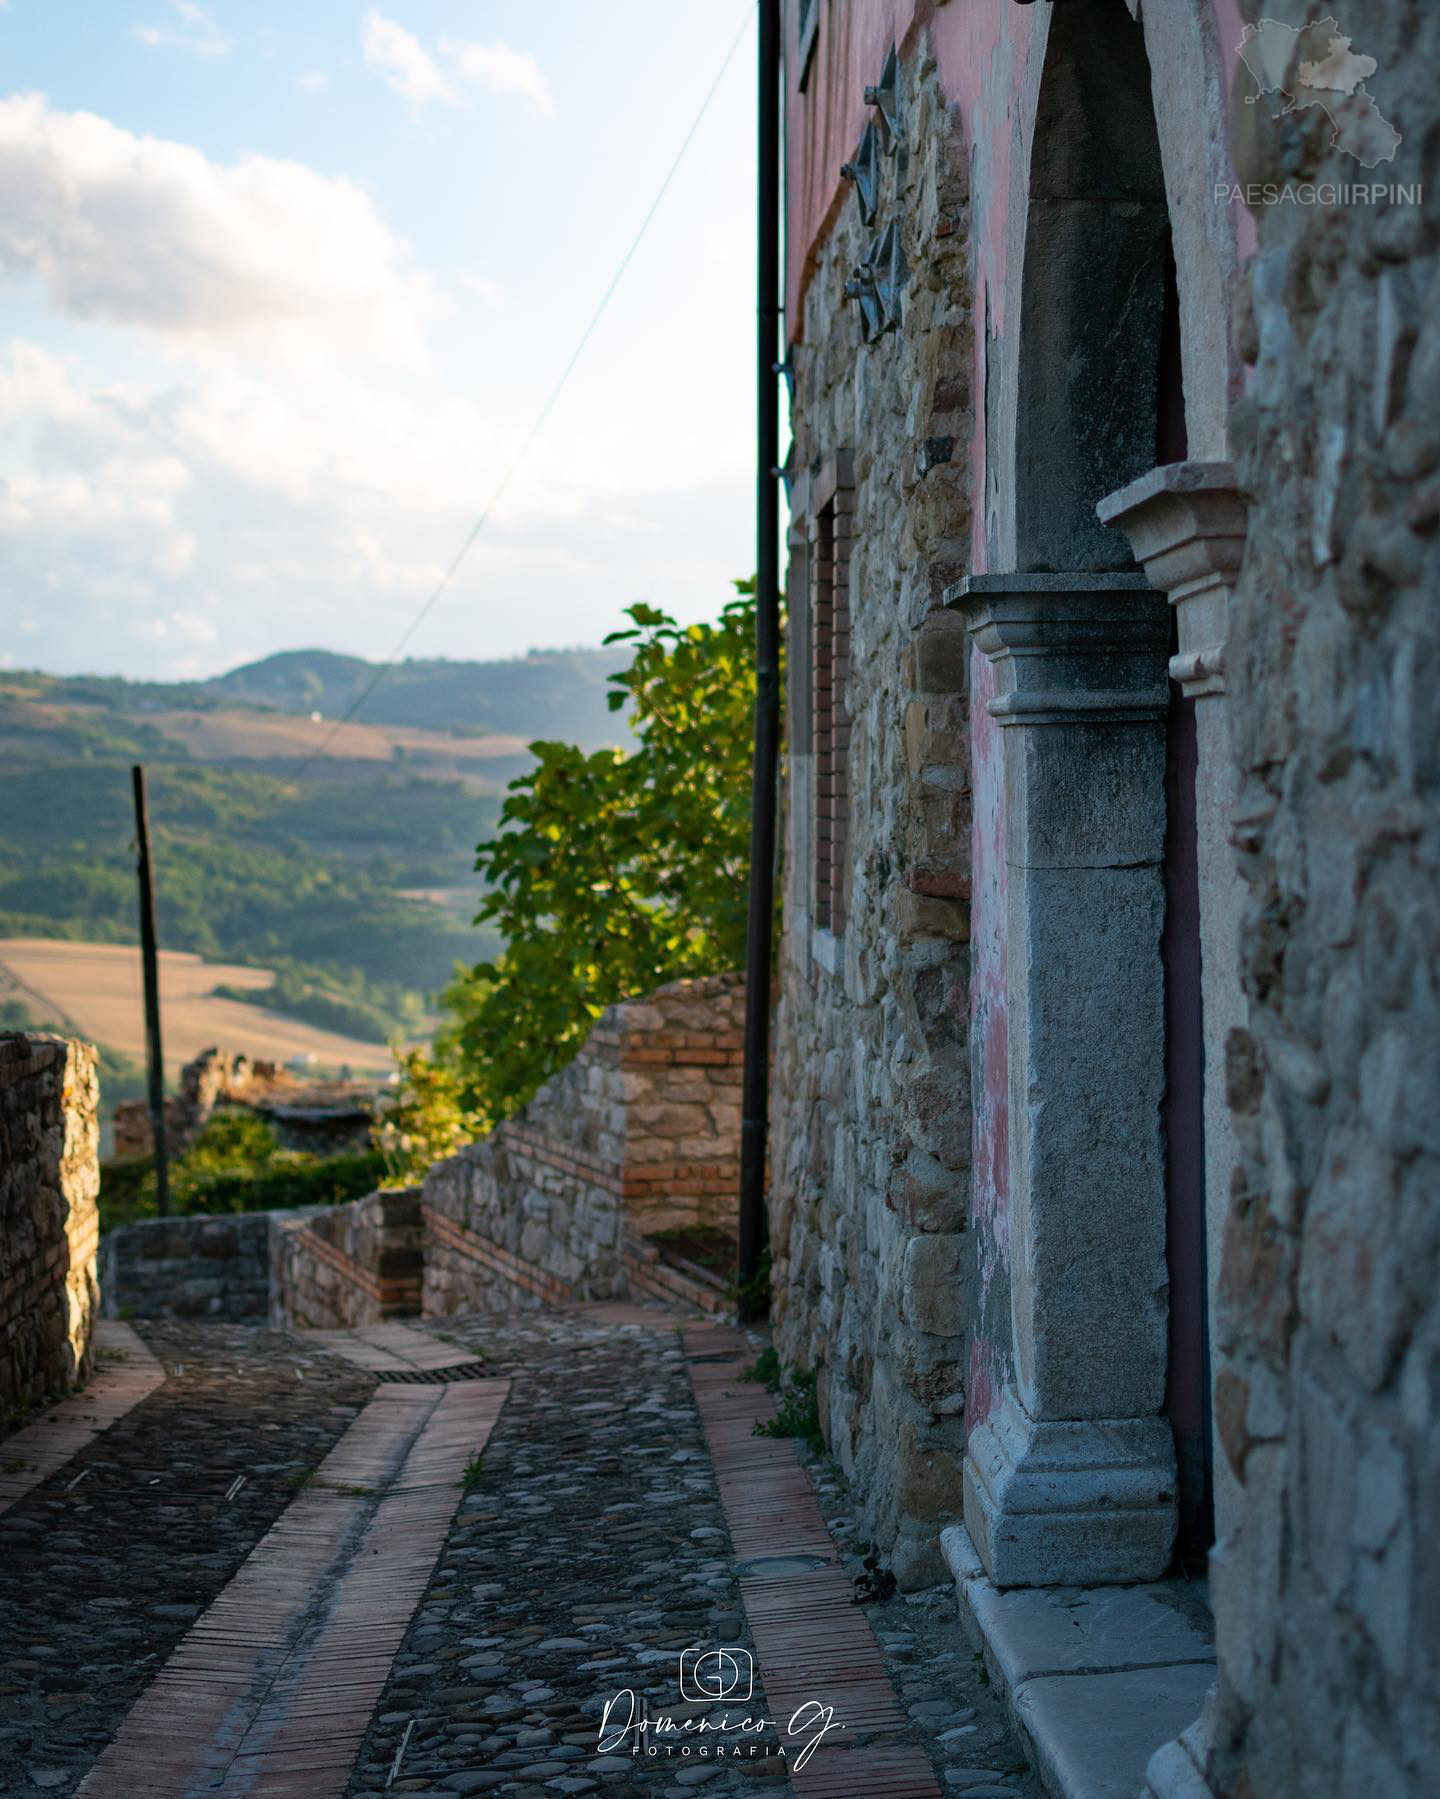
column 593, row 1553
column 106, row 1565
column 590, row 1550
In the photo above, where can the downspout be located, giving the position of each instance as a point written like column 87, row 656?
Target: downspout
column 760, row 927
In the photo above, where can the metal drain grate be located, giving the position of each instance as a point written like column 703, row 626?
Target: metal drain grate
column 432, row 1377
column 730, row 1355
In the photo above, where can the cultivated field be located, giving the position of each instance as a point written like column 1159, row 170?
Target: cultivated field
column 96, row 990
column 233, row 735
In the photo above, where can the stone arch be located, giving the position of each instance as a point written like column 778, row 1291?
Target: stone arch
column 1169, row 150
column 1092, row 304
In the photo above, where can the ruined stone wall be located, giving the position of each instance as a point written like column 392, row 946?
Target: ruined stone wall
column 1328, row 1390
column 872, row 1138
column 49, row 1214
column 639, row 1133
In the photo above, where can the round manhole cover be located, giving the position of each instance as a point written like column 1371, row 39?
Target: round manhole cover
column 770, row 1567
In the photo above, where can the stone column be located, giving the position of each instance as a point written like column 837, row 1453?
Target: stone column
column 1186, row 524
column 1072, row 1478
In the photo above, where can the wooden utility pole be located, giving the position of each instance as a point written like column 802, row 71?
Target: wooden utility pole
column 151, row 961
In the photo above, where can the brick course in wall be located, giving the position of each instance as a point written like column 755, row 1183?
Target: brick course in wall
column 49, row 1214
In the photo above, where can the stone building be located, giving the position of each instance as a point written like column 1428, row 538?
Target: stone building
column 1104, row 1175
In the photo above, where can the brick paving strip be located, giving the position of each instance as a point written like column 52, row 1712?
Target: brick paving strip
column 812, row 1642
column 126, row 1373
column 273, row 1688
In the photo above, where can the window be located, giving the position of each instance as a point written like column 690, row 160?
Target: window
column 829, row 681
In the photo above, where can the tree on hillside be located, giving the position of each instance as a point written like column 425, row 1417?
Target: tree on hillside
column 611, row 873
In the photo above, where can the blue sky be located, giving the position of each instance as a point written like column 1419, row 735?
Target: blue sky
column 282, row 287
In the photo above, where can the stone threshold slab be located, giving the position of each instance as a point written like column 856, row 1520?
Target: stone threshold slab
column 811, row 1642
column 1097, row 1678
column 126, row 1372
column 274, row 1687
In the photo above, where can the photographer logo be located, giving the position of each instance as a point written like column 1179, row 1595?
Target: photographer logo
column 712, row 1674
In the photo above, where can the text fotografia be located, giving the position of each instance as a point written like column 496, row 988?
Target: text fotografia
column 625, row 1725
column 1319, row 193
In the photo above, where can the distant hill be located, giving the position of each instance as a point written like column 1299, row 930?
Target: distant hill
column 547, row 693
column 544, row 694
column 351, row 875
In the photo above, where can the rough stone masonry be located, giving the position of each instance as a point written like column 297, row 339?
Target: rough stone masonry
column 49, row 1214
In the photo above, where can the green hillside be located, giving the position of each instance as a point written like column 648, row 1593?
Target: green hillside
column 355, row 881
column 527, row 696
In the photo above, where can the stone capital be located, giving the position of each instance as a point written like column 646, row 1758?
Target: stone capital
column 1068, row 648
column 1186, row 524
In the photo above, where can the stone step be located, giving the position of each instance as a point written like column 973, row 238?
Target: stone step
column 647, row 1271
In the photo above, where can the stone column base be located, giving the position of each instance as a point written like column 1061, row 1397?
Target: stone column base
column 1177, row 1769
column 1081, row 1501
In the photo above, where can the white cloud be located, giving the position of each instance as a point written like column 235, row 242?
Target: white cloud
column 200, row 32
column 501, row 70
column 144, row 232
column 402, row 62
column 405, row 65
column 293, row 504
column 485, row 289
column 314, row 81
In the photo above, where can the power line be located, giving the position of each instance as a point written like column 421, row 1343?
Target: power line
column 538, row 425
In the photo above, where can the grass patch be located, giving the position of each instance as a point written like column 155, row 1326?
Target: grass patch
column 471, row 1477
column 765, row 1368
column 797, row 1414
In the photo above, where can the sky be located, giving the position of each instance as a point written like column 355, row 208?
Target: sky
column 284, row 287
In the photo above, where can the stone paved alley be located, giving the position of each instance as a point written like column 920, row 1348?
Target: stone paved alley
column 282, row 1571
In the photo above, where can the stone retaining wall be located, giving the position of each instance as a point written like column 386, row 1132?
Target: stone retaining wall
column 49, row 1213
column 198, row 1267
column 640, row 1133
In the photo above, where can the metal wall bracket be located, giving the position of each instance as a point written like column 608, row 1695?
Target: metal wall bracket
column 864, row 172
column 885, row 98
column 862, row 288
column 892, row 276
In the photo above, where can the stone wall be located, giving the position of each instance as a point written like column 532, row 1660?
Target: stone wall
column 195, row 1267
column 341, row 1266
column 1328, row 1391
column 49, row 1214
column 872, row 1141
column 640, row 1133
column 328, row 1267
